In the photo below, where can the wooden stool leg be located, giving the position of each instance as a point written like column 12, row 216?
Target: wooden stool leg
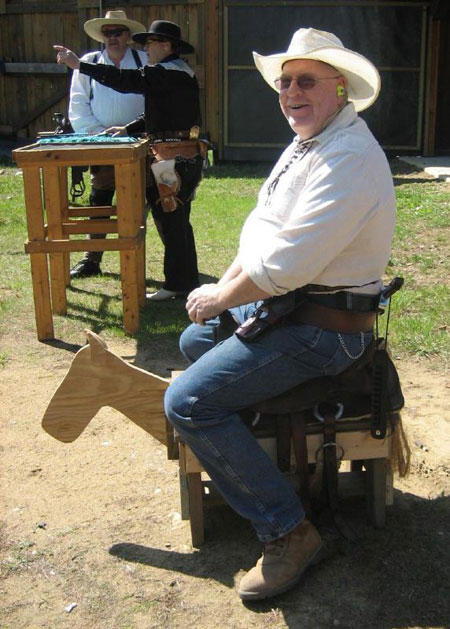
column 376, row 490
column 194, row 481
column 184, row 495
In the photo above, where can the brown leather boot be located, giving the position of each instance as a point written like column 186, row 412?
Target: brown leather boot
column 282, row 563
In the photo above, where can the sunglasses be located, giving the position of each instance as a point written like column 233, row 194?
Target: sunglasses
column 114, row 32
column 304, row 81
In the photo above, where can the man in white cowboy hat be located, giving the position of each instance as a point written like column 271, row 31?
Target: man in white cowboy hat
column 171, row 120
column 312, row 253
column 316, row 246
column 94, row 107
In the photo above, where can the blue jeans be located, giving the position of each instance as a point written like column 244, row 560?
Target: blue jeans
column 203, row 405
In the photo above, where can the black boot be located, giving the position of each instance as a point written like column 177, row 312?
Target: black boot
column 85, row 268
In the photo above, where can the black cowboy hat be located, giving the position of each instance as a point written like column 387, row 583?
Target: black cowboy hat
column 168, row 30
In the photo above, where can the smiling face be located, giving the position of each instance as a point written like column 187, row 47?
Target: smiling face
column 308, row 110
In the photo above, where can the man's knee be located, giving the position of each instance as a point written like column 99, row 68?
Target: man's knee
column 195, row 341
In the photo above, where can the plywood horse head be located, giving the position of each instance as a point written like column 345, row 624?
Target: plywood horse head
column 98, row 378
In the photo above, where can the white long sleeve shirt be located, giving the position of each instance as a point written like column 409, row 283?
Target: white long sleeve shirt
column 107, row 107
column 330, row 218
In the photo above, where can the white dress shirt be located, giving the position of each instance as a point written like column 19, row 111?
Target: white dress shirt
column 107, row 107
column 328, row 219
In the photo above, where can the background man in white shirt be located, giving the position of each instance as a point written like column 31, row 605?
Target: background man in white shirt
column 94, row 108
column 316, row 244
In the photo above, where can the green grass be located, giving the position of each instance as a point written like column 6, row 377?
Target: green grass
column 419, row 322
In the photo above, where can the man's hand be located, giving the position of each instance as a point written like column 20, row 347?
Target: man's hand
column 204, row 303
column 68, row 57
column 115, row 132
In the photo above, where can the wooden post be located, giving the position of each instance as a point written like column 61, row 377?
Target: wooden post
column 38, row 261
column 53, row 206
column 65, row 217
column 213, row 66
column 376, row 490
column 129, row 217
column 434, row 30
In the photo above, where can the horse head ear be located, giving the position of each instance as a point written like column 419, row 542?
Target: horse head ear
column 97, row 345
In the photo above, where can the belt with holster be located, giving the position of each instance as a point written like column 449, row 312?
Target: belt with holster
column 173, row 136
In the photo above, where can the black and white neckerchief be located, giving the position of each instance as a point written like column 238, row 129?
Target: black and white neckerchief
column 299, row 152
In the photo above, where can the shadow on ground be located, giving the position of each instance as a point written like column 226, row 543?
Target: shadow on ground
column 395, row 577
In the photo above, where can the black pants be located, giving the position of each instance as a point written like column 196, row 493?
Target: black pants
column 180, row 256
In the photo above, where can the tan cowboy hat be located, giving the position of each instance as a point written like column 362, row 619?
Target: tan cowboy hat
column 363, row 80
column 94, row 27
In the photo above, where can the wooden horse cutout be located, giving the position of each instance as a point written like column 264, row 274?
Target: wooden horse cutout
column 98, row 378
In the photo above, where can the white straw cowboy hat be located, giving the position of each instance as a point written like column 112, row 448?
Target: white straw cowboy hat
column 94, row 27
column 363, row 80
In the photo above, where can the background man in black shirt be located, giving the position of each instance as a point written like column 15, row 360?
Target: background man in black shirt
column 172, row 121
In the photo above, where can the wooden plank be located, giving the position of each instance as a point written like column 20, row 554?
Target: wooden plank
column 196, row 509
column 356, row 445
column 35, row 68
column 431, row 96
column 97, row 378
column 59, row 246
column 81, row 154
column 90, row 227
column 32, row 115
column 38, row 261
column 53, row 206
column 376, row 491
column 65, row 216
column 101, row 210
column 130, row 207
column 213, row 65
column 39, row 6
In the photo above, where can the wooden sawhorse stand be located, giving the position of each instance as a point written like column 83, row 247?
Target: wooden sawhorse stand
column 52, row 239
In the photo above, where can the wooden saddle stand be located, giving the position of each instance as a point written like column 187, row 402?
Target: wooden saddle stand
column 308, row 431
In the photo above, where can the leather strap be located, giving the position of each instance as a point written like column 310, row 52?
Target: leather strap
column 298, row 431
column 344, row 321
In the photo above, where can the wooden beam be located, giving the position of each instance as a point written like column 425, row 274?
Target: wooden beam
column 35, row 68
column 35, row 6
column 434, row 32
column 213, row 83
column 42, row 108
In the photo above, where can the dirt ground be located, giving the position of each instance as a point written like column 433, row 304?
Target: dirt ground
column 92, row 534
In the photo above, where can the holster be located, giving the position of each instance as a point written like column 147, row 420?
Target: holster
column 164, row 156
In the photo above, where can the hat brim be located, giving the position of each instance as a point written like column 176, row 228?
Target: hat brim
column 185, row 47
column 94, row 27
column 363, row 79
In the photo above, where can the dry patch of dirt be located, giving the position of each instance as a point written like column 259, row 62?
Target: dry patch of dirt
column 92, row 534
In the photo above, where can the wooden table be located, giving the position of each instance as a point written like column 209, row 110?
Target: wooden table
column 49, row 194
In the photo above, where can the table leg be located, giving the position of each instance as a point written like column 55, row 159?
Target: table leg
column 65, row 216
column 129, row 193
column 53, row 206
column 38, row 261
